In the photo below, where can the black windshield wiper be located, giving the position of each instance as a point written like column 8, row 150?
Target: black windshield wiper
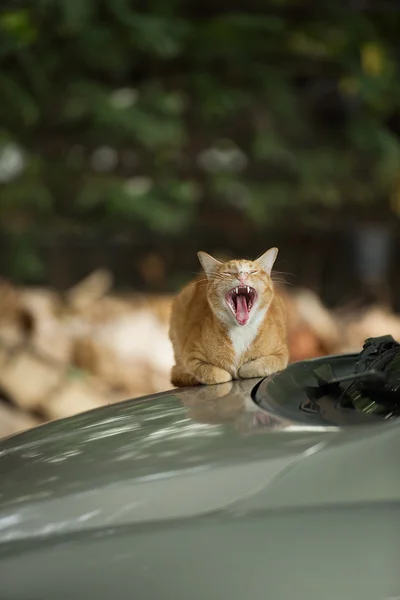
column 374, row 386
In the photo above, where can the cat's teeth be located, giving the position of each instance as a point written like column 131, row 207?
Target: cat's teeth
column 248, row 290
column 237, row 290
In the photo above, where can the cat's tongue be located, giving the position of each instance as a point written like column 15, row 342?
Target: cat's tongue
column 242, row 312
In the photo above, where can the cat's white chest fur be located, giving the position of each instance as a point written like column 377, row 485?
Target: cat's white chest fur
column 243, row 336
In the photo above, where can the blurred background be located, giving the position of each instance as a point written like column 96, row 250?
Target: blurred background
column 135, row 132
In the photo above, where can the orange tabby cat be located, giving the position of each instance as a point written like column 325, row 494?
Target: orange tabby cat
column 229, row 325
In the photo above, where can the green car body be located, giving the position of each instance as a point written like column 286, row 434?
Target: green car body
column 200, row 493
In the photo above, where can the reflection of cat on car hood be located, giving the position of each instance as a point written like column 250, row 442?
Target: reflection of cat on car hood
column 229, row 324
column 231, row 403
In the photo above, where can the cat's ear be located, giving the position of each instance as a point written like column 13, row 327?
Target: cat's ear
column 209, row 264
column 266, row 260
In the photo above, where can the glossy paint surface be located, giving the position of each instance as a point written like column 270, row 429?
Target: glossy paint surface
column 199, row 493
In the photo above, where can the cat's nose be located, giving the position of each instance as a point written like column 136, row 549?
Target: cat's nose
column 242, row 277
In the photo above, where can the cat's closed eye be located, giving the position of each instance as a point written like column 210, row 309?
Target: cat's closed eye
column 253, row 272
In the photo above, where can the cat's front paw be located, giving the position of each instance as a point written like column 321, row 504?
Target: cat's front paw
column 211, row 375
column 260, row 367
column 181, row 378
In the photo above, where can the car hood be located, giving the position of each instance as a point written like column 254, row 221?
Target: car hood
column 183, row 454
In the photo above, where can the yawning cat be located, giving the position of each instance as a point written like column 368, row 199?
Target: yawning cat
column 229, row 325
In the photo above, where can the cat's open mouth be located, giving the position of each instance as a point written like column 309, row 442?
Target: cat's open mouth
column 241, row 300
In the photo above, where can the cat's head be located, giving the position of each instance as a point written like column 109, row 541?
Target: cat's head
column 237, row 289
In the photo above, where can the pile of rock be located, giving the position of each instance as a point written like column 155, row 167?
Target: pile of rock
column 64, row 354
column 61, row 354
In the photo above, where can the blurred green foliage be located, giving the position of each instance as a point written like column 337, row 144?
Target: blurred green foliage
column 135, row 116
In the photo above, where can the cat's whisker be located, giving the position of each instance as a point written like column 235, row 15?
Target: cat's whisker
column 280, row 277
column 218, row 275
column 283, row 273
